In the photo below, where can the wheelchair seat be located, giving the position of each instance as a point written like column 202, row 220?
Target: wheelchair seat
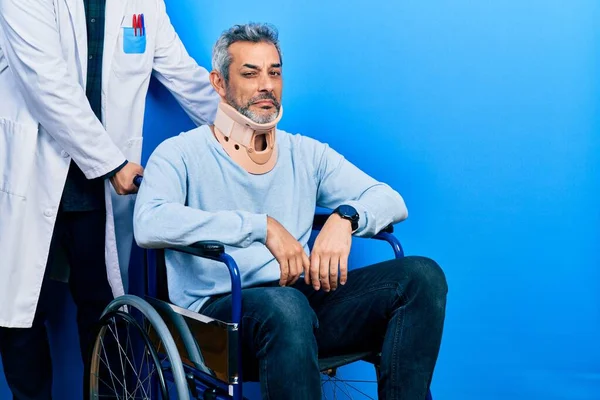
column 328, row 365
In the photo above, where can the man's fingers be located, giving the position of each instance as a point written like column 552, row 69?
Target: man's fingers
column 300, row 266
column 343, row 269
column 314, row 271
column 123, row 188
column 333, row 272
column 306, row 268
column 133, row 189
column 293, row 276
column 324, row 272
column 285, row 271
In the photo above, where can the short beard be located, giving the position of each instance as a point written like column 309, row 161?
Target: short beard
column 245, row 110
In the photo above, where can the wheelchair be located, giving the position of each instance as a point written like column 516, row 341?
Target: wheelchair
column 148, row 348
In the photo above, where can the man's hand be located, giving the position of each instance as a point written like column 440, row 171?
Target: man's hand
column 122, row 181
column 287, row 251
column 330, row 253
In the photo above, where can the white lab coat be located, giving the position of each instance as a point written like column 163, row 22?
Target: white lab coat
column 45, row 120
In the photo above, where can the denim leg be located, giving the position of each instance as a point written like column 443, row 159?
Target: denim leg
column 278, row 333
column 396, row 307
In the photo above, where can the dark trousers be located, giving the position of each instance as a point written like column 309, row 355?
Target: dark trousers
column 25, row 351
column 396, row 307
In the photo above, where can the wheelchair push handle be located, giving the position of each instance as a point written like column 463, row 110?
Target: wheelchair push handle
column 137, row 181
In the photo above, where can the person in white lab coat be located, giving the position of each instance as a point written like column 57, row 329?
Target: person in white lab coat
column 73, row 80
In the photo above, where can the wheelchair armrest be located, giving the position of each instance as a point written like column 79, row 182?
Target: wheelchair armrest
column 205, row 249
column 216, row 251
column 320, row 219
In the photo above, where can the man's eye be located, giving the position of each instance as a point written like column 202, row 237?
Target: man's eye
column 248, row 74
column 275, row 73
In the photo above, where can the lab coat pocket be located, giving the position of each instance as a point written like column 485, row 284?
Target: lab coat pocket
column 132, row 58
column 17, row 156
column 132, row 43
column 133, row 149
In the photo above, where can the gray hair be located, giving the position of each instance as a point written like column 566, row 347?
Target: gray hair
column 253, row 32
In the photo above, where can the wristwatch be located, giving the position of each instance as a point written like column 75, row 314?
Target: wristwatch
column 348, row 212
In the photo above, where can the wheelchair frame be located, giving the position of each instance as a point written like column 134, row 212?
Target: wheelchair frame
column 213, row 373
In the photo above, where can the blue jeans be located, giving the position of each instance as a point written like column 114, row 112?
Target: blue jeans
column 396, row 307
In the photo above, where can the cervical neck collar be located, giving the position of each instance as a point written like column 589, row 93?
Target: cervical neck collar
column 238, row 135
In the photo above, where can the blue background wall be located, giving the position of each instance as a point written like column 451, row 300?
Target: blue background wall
column 486, row 117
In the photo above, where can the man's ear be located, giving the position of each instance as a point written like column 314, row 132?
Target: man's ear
column 218, row 83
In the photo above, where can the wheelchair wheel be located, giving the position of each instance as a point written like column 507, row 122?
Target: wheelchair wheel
column 134, row 355
column 124, row 364
column 335, row 387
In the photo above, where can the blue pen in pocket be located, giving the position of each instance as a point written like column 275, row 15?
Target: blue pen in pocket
column 134, row 38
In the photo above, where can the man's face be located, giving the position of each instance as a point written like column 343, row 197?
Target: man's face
column 255, row 83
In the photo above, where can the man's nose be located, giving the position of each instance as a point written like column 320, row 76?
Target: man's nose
column 265, row 83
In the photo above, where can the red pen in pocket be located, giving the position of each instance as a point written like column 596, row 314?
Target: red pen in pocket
column 134, row 24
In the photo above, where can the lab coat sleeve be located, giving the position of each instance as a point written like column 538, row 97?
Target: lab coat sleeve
column 341, row 182
column 31, row 43
column 177, row 71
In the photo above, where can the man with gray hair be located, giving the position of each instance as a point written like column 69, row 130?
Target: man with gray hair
column 255, row 188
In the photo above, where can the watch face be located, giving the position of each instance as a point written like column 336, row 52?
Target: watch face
column 347, row 211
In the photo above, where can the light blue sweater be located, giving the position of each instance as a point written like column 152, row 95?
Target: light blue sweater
column 193, row 191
